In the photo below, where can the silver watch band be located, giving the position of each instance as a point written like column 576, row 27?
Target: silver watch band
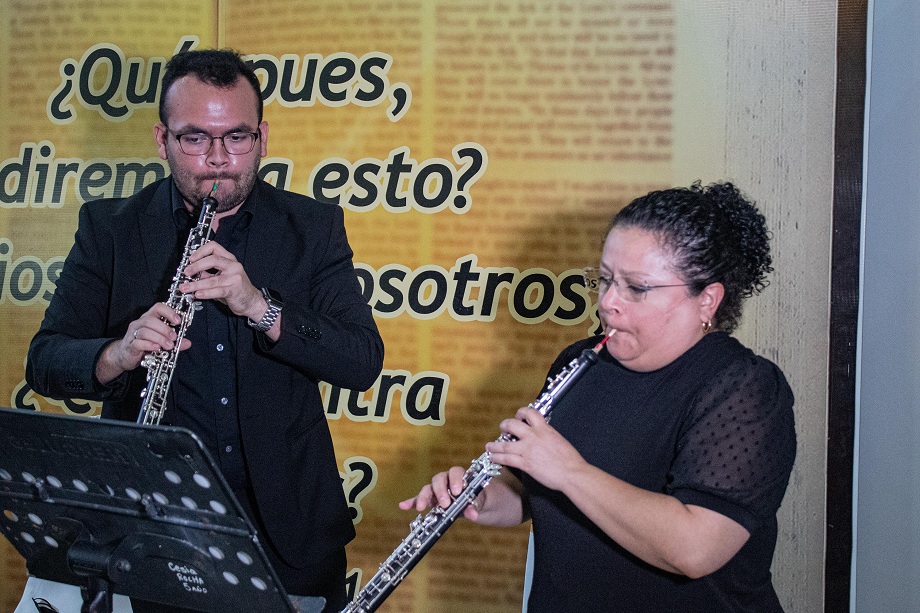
column 271, row 313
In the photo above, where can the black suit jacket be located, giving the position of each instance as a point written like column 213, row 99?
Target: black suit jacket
column 122, row 262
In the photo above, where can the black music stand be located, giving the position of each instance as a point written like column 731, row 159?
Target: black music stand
column 139, row 510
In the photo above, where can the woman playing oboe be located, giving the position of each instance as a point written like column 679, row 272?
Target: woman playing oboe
column 656, row 486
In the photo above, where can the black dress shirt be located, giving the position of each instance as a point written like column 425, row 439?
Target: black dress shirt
column 204, row 388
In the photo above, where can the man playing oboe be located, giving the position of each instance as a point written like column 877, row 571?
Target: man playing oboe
column 282, row 310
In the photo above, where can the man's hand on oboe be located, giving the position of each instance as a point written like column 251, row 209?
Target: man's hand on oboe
column 152, row 331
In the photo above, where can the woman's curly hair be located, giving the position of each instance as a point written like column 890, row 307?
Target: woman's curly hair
column 715, row 235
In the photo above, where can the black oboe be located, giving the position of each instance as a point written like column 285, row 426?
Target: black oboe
column 161, row 364
column 426, row 531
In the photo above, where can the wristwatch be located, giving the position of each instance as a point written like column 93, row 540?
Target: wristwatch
column 274, row 309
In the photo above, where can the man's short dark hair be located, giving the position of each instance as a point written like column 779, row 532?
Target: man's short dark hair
column 218, row 67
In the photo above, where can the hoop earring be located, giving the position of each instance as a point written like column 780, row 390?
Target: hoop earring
column 707, row 326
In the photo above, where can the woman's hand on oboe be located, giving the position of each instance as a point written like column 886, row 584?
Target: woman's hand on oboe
column 499, row 504
column 540, row 451
column 442, row 490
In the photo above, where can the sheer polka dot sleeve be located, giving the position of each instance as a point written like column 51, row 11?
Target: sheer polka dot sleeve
column 737, row 446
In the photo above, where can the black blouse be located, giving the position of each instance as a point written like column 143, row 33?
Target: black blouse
column 715, row 429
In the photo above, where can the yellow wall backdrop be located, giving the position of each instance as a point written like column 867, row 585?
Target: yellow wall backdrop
column 479, row 150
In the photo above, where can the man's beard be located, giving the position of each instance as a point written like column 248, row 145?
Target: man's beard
column 192, row 189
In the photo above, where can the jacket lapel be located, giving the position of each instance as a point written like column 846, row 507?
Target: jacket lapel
column 157, row 228
column 266, row 235
column 264, row 269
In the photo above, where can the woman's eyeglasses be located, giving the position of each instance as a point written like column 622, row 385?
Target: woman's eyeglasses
column 631, row 292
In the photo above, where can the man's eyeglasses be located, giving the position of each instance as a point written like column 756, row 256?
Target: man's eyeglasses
column 599, row 284
column 200, row 143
